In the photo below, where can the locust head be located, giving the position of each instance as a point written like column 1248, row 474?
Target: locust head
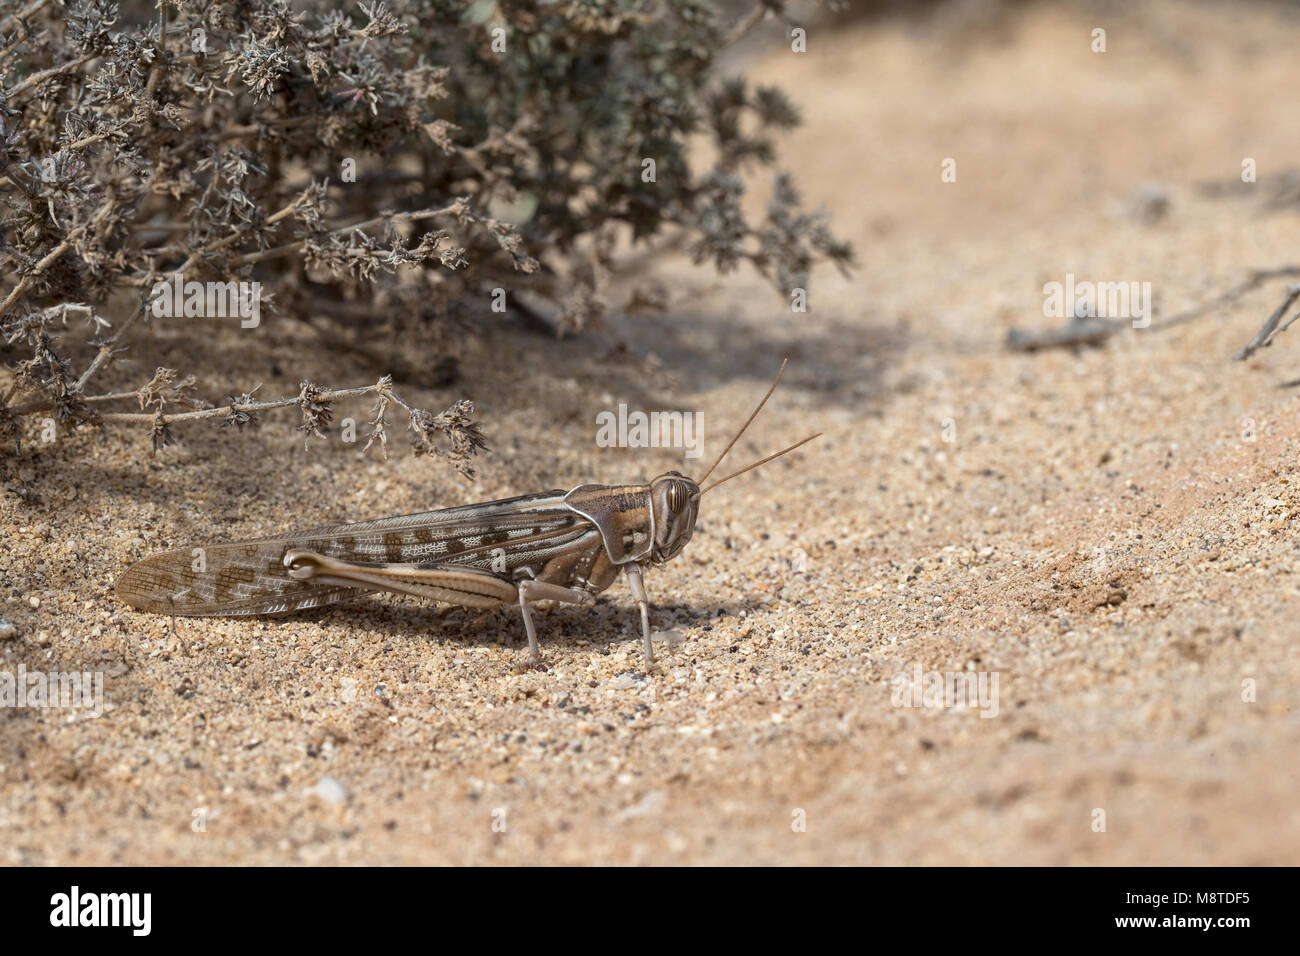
column 675, row 500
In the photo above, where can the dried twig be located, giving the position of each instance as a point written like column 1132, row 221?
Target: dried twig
column 1079, row 331
column 1271, row 328
column 464, row 435
column 1253, row 281
column 747, row 23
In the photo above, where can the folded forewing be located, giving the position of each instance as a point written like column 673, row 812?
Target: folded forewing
column 249, row 577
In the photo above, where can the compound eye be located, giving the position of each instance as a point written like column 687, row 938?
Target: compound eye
column 676, row 497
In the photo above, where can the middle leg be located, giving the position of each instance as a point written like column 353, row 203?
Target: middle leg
column 636, row 582
column 530, row 591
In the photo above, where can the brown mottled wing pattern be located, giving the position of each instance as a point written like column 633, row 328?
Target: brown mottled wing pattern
column 249, row 577
column 246, row 577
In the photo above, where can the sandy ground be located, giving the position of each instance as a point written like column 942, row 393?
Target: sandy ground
column 1101, row 533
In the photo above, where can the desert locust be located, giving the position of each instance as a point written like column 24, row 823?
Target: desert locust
column 564, row 546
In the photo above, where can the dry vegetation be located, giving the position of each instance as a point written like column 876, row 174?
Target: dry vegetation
column 378, row 171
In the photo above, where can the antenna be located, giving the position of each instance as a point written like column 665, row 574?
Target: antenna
column 761, row 462
column 748, row 421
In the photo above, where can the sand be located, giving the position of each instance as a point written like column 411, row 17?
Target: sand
column 1111, row 532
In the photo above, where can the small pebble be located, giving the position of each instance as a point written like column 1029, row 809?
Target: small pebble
column 673, row 636
column 329, row 790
